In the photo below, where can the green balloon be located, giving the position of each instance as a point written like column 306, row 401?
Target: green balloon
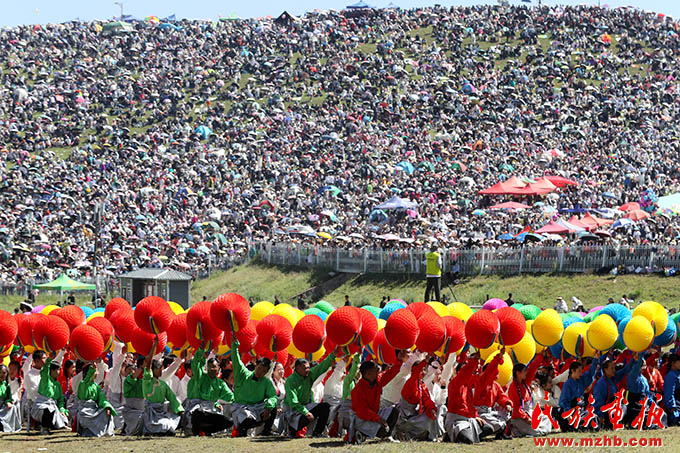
column 324, row 306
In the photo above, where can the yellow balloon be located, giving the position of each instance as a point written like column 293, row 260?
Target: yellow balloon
column 29, row 349
column 523, row 351
column 460, row 310
column 261, row 309
column 547, row 328
column 223, row 349
column 299, row 315
column 5, row 360
column 574, row 340
column 295, row 352
column 96, row 314
column 487, row 352
column 440, row 308
column 287, row 312
column 130, row 348
column 181, row 348
column 48, row 309
column 381, row 324
column 539, row 347
column 175, row 307
column 655, row 313
column 504, row 369
column 602, row 333
column 638, row 334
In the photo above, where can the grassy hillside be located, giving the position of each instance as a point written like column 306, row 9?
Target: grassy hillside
column 264, row 282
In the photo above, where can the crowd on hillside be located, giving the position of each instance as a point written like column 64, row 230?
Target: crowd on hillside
column 182, row 146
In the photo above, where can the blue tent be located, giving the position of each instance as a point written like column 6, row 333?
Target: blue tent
column 671, row 201
column 398, row 203
column 360, row 5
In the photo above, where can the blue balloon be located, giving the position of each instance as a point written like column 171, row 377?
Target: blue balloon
column 622, row 325
column 566, row 322
column 87, row 310
column 100, row 309
column 616, row 311
column 667, row 336
column 390, row 308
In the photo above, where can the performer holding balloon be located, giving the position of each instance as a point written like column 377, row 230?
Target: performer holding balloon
column 573, row 390
column 158, row 420
column 49, row 408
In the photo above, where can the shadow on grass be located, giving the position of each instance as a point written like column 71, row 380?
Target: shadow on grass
column 328, row 444
column 264, row 439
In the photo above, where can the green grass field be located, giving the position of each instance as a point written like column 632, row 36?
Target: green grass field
column 67, row 442
column 263, row 282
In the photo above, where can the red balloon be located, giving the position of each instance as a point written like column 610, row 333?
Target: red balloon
column 513, row 326
column 72, row 314
column 142, row 342
column 279, row 356
column 8, row 328
column 369, row 327
column 401, row 329
column 482, row 329
column 195, row 342
column 105, row 329
column 247, row 337
column 50, row 334
column 230, row 309
column 123, row 322
column 274, row 332
column 343, row 325
column 455, row 334
column 153, row 315
column 115, row 304
column 432, row 332
column 87, row 342
column 382, row 350
column 309, row 334
column 199, row 324
column 177, row 333
column 26, row 324
column 420, row 308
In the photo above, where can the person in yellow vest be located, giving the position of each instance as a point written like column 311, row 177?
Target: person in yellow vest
column 434, row 274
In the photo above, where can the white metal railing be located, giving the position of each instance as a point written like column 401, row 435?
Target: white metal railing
column 518, row 260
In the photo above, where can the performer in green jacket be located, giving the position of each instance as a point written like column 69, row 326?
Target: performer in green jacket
column 157, row 419
column 254, row 395
column 49, row 408
column 94, row 414
column 301, row 411
column 206, row 389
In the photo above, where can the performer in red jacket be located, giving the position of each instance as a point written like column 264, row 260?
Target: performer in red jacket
column 490, row 400
column 417, row 411
column 463, row 424
column 371, row 421
column 523, row 401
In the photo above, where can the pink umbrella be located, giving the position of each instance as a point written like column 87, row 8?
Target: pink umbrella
column 632, row 206
column 637, row 214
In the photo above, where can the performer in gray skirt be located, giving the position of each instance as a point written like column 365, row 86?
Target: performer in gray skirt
column 10, row 416
column 94, row 416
